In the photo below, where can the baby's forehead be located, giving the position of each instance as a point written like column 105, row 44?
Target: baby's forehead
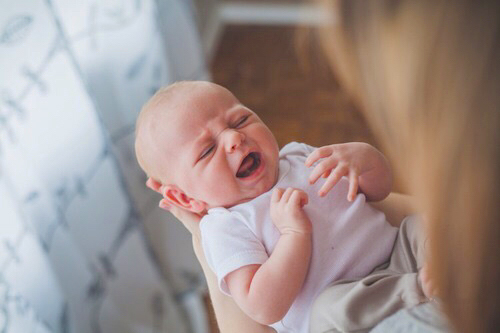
column 195, row 91
column 182, row 115
column 181, row 124
column 187, row 116
column 197, row 107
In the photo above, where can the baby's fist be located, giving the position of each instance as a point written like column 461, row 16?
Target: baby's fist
column 287, row 212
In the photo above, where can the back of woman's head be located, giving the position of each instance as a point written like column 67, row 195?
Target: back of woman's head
column 427, row 73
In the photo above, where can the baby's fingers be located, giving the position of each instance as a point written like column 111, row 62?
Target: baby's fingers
column 324, row 166
column 287, row 194
column 353, row 185
column 321, row 152
column 299, row 198
column 277, row 194
column 333, row 179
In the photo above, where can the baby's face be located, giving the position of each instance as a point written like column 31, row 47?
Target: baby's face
column 223, row 154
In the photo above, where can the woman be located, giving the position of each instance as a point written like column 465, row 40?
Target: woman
column 426, row 73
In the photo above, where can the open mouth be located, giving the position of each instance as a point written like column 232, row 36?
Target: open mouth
column 249, row 164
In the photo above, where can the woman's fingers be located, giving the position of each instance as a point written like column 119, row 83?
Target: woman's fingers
column 321, row 152
column 164, row 205
column 353, row 185
column 153, row 184
column 324, row 166
column 189, row 219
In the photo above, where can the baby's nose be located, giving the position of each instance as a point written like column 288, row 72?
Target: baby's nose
column 233, row 140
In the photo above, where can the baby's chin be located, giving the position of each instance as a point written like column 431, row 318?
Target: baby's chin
column 256, row 191
column 244, row 199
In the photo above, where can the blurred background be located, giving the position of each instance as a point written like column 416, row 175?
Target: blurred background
column 83, row 246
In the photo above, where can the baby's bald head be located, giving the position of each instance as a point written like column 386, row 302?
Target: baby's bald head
column 166, row 112
column 203, row 146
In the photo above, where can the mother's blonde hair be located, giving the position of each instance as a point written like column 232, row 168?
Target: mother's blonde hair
column 427, row 73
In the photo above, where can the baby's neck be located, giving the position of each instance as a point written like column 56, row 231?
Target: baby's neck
column 242, row 201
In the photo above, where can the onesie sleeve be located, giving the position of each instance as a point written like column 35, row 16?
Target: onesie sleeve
column 229, row 244
column 308, row 149
column 296, row 148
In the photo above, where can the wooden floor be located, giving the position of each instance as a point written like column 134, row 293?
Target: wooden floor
column 262, row 67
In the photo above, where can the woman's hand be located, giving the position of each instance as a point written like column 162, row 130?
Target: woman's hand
column 428, row 286
column 365, row 167
column 189, row 219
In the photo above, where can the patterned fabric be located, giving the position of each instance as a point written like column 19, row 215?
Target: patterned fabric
column 74, row 256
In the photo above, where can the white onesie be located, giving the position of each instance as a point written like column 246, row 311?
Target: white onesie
column 349, row 239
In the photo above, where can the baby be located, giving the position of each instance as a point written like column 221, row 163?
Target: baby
column 274, row 237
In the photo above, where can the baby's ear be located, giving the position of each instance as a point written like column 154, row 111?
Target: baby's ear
column 175, row 196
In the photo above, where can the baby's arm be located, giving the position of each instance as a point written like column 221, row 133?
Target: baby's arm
column 364, row 165
column 229, row 316
column 266, row 292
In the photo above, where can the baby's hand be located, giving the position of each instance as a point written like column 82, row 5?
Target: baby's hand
column 346, row 159
column 287, row 211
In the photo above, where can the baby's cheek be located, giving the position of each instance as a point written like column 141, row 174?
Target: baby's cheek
column 219, row 193
column 218, row 185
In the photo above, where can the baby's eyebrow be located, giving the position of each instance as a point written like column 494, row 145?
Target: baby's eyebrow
column 200, row 140
column 206, row 136
column 202, row 137
column 235, row 109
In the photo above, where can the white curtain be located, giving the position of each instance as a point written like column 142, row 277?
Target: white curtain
column 74, row 252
